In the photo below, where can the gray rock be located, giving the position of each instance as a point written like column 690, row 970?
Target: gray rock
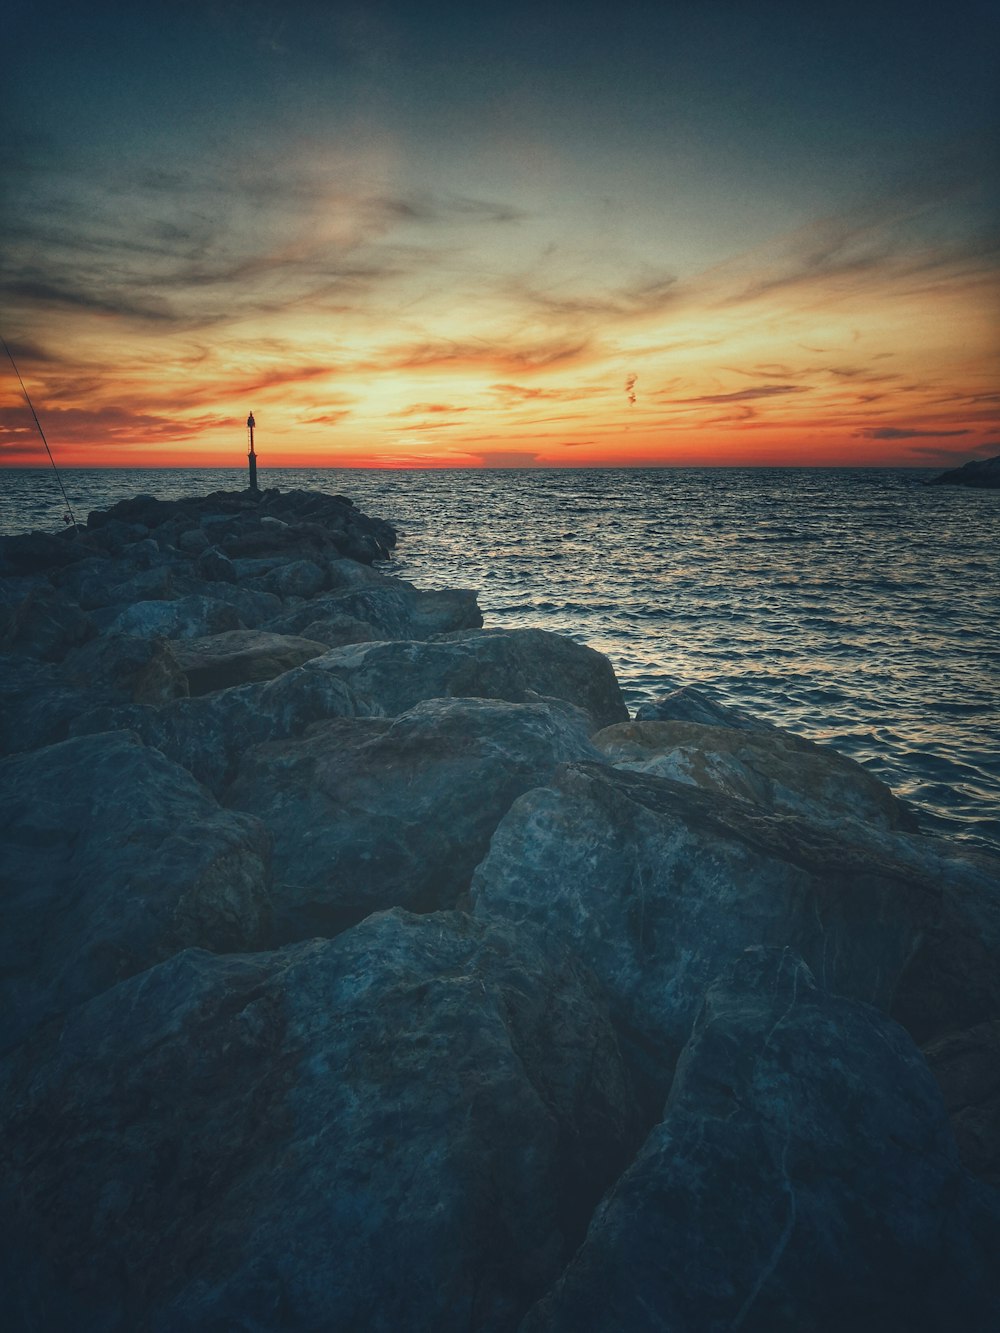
column 966, row 1066
column 36, row 705
column 111, row 859
column 294, row 578
column 240, row 656
column 106, row 586
column 115, row 536
column 193, row 541
column 335, row 631
column 658, row 885
column 34, row 553
column 37, row 621
column 190, row 617
column 147, row 552
column 143, row 510
column 209, row 735
column 403, row 1128
column 776, row 770
column 803, row 1177
column 254, row 607
column 214, row 567
column 345, row 573
column 687, row 704
column 515, row 665
column 394, row 610
column 141, row 671
column 370, row 813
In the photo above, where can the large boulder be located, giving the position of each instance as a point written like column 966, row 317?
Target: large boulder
column 141, row 671
column 403, row 1128
column 658, row 885
column 208, row 735
column 294, row 578
column 240, row 656
column 111, row 859
column 803, row 1177
column 774, row 769
column 36, row 704
column 370, row 813
column 111, row 585
column 34, row 553
column 966, row 1065
column 253, row 607
column 515, row 665
column 191, row 617
column 685, row 703
column 390, row 610
column 37, row 621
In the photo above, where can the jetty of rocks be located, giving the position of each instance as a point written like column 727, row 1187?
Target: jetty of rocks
column 368, row 969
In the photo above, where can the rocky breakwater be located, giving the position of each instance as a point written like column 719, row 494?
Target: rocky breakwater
column 365, row 968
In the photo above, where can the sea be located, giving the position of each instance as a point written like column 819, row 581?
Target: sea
column 858, row 607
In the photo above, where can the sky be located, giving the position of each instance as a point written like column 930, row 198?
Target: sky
column 426, row 235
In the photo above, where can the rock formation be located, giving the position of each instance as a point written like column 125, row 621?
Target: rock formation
column 983, row 472
column 368, row 969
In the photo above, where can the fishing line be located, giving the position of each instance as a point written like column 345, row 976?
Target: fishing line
column 69, row 507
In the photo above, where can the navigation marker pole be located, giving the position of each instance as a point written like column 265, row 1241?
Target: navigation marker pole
column 251, row 456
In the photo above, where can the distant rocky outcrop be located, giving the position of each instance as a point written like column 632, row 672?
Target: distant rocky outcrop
column 366, row 968
column 983, row 472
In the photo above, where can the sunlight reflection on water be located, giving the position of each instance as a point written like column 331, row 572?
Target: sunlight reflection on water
column 854, row 606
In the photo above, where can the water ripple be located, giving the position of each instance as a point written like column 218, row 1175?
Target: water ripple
column 855, row 606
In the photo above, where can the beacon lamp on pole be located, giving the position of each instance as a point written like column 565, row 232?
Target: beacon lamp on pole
column 251, row 456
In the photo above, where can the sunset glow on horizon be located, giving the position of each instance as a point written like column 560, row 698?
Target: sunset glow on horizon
column 445, row 242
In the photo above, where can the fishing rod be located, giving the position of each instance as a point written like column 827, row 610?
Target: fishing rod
column 70, row 516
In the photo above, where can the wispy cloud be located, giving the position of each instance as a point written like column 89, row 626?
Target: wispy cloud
column 510, row 355
column 59, row 296
column 907, row 433
column 504, row 457
column 583, row 298
column 428, row 409
column 744, row 395
column 110, row 425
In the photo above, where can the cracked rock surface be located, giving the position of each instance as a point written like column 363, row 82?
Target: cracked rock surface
column 365, row 968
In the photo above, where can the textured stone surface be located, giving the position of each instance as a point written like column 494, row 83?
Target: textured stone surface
column 390, row 610
column 403, row 1128
column 37, row 621
column 208, row 735
column 658, row 885
column 804, row 1177
column 774, row 769
column 36, row 704
column 966, row 1066
column 112, row 858
column 370, row 813
column 688, row 704
column 409, row 1126
column 516, row 665
column 190, row 617
column 142, row 671
column 239, row 657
